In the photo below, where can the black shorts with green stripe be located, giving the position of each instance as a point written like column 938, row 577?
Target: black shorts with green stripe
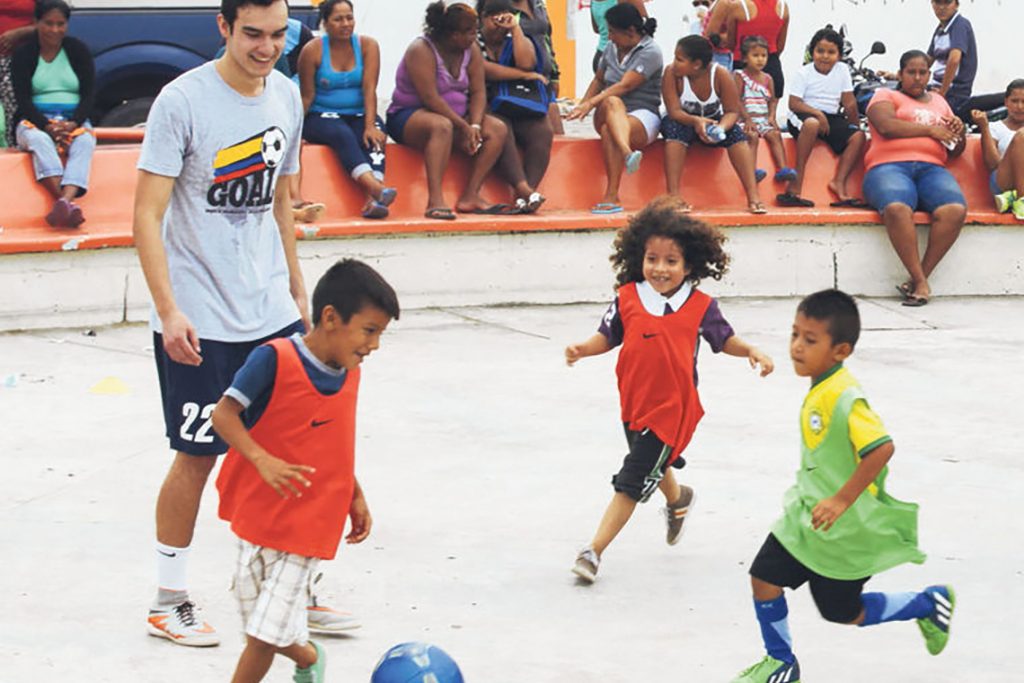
column 644, row 465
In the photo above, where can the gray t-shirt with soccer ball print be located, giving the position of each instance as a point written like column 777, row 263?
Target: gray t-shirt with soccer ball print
column 227, row 152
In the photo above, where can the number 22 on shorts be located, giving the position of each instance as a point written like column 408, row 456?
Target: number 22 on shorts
column 191, row 412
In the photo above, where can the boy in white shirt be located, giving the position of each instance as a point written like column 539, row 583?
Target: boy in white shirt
column 816, row 93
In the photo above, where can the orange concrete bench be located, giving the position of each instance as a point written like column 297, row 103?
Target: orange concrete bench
column 574, row 182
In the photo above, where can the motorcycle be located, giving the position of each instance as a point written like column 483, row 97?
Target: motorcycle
column 865, row 81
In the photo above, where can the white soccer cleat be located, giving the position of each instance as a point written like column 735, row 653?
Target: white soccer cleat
column 181, row 624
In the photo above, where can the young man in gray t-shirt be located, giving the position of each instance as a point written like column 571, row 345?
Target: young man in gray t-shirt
column 215, row 236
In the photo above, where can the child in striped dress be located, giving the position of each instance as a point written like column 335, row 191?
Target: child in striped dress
column 759, row 102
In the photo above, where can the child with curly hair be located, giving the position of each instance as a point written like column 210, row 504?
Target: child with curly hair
column 658, row 317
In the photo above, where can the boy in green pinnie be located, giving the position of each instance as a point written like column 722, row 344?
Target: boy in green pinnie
column 839, row 525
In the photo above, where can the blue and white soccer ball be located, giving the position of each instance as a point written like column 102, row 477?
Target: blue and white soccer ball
column 416, row 663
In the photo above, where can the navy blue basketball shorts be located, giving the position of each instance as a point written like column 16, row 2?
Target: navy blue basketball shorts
column 837, row 600
column 189, row 393
column 644, row 465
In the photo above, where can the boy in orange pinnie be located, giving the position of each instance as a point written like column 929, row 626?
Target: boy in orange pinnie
column 288, row 482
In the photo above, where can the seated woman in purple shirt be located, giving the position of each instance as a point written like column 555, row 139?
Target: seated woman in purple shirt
column 440, row 102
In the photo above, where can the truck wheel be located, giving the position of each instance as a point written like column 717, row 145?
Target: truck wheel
column 130, row 114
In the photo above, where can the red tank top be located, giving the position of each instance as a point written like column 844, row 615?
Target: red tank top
column 767, row 24
column 299, row 425
column 655, row 368
column 15, row 14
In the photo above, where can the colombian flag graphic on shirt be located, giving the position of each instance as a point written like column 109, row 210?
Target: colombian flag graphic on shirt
column 244, row 173
column 264, row 150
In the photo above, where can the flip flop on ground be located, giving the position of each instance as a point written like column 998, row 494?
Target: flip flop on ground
column 790, row 199
column 905, row 288
column 915, row 300
column 757, row 207
column 440, row 213
column 530, row 204
column 851, row 203
column 308, row 212
column 375, row 209
column 606, row 207
column 494, row 210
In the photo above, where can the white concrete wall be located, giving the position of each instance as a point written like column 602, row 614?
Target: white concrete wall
column 106, row 286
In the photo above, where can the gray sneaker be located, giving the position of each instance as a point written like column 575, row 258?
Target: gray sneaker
column 586, row 565
column 326, row 620
column 675, row 514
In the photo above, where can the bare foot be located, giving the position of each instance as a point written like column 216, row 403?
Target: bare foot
column 838, row 190
column 470, row 204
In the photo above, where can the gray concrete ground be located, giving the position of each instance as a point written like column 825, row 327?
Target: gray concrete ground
column 486, row 464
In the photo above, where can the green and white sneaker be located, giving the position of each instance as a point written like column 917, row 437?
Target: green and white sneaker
column 1017, row 208
column 935, row 627
column 1004, row 200
column 770, row 670
column 315, row 672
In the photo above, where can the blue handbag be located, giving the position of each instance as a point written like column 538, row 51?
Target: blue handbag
column 520, row 99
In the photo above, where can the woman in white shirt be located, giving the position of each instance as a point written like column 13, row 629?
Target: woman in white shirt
column 1002, row 144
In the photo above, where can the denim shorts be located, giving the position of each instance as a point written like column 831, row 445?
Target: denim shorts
column 397, row 120
column 917, row 184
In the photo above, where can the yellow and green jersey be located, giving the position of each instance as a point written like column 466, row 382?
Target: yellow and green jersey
column 877, row 532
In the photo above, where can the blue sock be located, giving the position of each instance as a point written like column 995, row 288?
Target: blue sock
column 882, row 607
column 771, row 616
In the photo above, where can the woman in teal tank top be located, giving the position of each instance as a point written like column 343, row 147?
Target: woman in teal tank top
column 53, row 83
column 338, row 79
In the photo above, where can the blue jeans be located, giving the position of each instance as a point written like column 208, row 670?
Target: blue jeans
column 344, row 134
column 46, row 160
column 916, row 184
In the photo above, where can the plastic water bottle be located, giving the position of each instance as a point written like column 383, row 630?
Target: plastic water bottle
column 715, row 132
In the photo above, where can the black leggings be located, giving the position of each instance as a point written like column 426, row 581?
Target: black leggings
column 527, row 150
column 774, row 69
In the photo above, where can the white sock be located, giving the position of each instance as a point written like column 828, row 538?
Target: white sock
column 171, row 566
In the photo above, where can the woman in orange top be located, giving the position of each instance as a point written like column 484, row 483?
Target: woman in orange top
column 913, row 135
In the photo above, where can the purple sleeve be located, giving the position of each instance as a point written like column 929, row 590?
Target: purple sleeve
column 715, row 329
column 611, row 324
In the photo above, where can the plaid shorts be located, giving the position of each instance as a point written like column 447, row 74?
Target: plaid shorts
column 272, row 588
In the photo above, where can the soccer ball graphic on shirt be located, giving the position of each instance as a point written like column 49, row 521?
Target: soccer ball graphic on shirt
column 272, row 146
column 416, row 663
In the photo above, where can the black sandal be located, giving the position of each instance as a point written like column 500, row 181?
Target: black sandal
column 790, row 199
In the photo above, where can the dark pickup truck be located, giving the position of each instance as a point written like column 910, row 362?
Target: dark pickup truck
column 140, row 48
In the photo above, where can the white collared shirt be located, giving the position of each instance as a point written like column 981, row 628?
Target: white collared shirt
column 654, row 303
